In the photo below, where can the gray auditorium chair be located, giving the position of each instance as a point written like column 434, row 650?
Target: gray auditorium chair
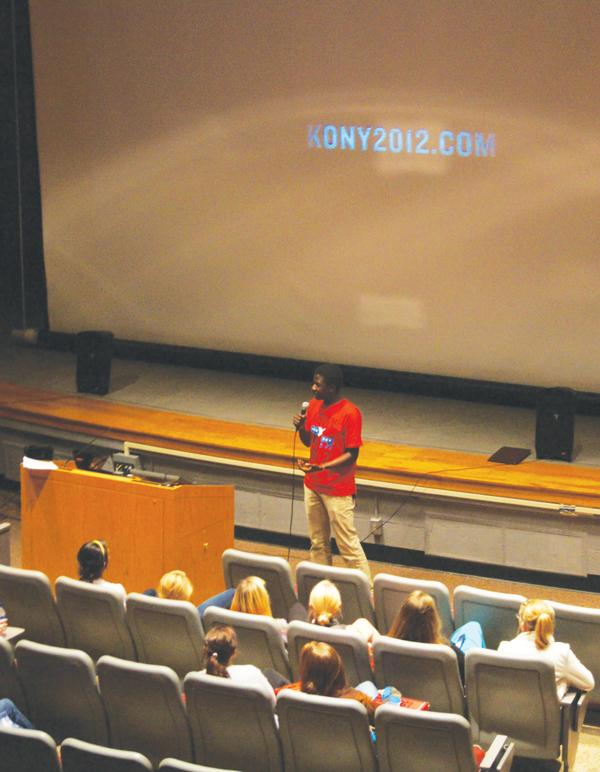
column 27, row 750
column 166, row 632
column 61, row 692
column 260, row 641
column 427, row 741
column 517, row 697
column 5, row 543
column 94, row 619
column 391, row 591
column 352, row 584
column 10, row 683
column 276, row 572
column 213, row 704
column 174, row 765
column 496, row 612
column 580, row 628
column 145, row 709
column 27, row 598
column 79, row 756
column 351, row 647
column 425, row 671
column 324, row 734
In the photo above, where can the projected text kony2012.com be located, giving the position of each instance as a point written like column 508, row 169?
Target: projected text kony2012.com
column 462, row 144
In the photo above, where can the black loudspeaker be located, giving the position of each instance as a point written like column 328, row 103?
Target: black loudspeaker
column 94, row 351
column 555, row 424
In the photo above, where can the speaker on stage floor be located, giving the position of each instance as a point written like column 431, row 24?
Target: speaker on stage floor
column 555, row 424
column 94, row 351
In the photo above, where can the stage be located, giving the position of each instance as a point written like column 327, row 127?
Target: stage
column 423, row 471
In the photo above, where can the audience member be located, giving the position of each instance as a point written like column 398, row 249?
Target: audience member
column 322, row 672
column 220, row 649
column 418, row 620
column 325, row 604
column 176, row 585
column 252, row 597
column 325, row 609
column 536, row 638
column 11, row 716
column 93, row 561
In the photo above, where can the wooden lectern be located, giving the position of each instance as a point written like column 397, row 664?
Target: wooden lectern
column 150, row 529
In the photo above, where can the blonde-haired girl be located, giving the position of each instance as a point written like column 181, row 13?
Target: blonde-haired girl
column 325, row 604
column 252, row 597
column 325, row 609
column 175, row 585
column 536, row 638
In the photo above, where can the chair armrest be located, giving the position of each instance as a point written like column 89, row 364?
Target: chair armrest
column 499, row 755
column 575, row 704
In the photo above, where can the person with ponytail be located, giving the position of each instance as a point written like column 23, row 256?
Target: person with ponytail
column 325, row 604
column 220, row 650
column 92, row 560
column 325, row 609
column 536, row 638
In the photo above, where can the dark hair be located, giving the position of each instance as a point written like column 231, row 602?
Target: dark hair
column 418, row 620
column 93, row 559
column 220, row 645
column 321, row 670
column 331, row 374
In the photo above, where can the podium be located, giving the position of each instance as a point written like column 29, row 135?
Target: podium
column 150, row 529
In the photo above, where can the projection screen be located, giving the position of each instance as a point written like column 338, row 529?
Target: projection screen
column 410, row 185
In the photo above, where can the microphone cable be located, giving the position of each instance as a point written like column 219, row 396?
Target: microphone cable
column 303, row 410
column 409, row 494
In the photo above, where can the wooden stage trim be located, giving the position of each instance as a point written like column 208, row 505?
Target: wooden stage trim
column 384, row 462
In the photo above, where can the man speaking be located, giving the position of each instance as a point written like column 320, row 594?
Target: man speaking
column 331, row 428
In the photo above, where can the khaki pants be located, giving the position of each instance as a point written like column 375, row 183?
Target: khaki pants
column 325, row 513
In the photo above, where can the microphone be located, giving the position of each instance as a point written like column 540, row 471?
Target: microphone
column 304, row 408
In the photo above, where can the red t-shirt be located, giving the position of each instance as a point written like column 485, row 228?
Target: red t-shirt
column 333, row 430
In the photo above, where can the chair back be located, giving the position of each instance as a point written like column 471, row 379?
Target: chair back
column 260, row 641
column 5, row 542
column 352, row 584
column 79, row 756
column 10, row 682
column 276, row 572
column 29, row 603
column 166, row 632
column 175, row 765
column 145, row 709
column 213, row 704
column 94, row 619
column 580, row 628
column 426, row 671
column 26, row 750
column 61, row 692
column 515, row 696
column 495, row 611
column 423, row 740
column 324, row 734
column 350, row 645
column 391, row 591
